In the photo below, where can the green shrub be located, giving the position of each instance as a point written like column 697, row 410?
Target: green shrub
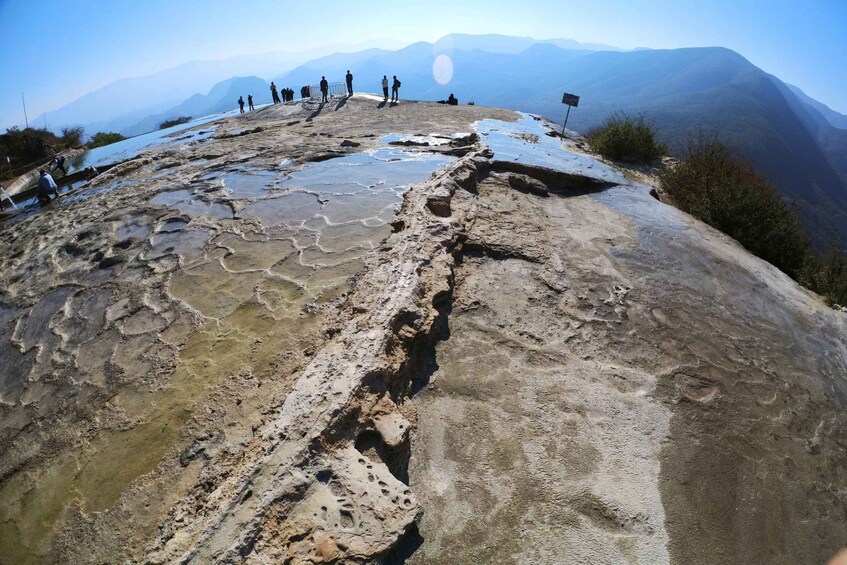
column 713, row 185
column 726, row 193
column 72, row 136
column 103, row 138
column 624, row 138
column 828, row 276
column 175, row 122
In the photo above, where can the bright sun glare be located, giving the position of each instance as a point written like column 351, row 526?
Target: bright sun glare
column 442, row 70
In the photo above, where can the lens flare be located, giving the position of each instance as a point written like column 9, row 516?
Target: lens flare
column 442, row 70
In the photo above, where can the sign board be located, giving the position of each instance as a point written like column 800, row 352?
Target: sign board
column 570, row 99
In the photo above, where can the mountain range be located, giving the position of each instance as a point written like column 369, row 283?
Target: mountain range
column 797, row 142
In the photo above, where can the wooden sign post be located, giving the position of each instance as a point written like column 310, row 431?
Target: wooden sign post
column 571, row 100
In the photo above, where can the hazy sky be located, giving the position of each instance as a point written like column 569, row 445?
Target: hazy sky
column 57, row 50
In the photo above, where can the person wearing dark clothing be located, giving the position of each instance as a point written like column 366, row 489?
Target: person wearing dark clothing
column 324, row 89
column 349, row 78
column 274, row 93
column 58, row 162
column 46, row 185
column 385, row 87
column 395, row 90
column 304, row 92
column 451, row 100
column 241, row 104
column 250, row 102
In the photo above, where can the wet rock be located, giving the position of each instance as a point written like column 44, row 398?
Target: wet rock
column 348, row 143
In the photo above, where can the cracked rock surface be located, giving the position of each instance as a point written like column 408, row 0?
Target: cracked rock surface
column 238, row 350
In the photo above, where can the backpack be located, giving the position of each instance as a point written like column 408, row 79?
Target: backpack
column 398, row 84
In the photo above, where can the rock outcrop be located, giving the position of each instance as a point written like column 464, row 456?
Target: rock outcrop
column 535, row 361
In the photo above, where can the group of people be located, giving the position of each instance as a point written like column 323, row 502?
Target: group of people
column 395, row 88
column 286, row 94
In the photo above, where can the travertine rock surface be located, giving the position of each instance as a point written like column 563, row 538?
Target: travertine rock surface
column 234, row 350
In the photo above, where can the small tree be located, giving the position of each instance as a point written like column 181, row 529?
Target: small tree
column 71, row 136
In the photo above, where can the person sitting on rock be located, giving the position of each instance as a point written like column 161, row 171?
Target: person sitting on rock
column 46, row 185
column 451, row 100
column 324, row 89
column 241, row 103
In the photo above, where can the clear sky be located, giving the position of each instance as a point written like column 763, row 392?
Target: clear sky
column 57, row 50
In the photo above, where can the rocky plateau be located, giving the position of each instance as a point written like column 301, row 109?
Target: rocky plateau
column 365, row 333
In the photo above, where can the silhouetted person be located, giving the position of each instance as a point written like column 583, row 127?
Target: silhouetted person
column 349, row 78
column 324, row 89
column 250, row 102
column 58, row 162
column 274, row 93
column 241, row 104
column 385, row 87
column 46, row 185
column 395, row 90
column 452, row 100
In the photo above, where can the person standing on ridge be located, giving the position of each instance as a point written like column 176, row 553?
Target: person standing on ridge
column 274, row 93
column 250, row 102
column 324, row 89
column 395, row 90
column 385, row 87
column 349, row 78
column 241, row 104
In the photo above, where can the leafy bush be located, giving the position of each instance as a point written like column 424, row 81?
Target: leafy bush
column 624, row 138
column 29, row 147
column 102, row 138
column 828, row 276
column 726, row 193
column 72, row 136
column 175, row 122
column 713, row 185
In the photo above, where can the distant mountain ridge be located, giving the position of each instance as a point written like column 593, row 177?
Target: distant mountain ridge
column 716, row 90
column 222, row 96
column 799, row 143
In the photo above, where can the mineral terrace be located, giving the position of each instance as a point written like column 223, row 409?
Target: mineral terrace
column 257, row 346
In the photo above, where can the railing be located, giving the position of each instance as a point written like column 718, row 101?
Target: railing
column 335, row 90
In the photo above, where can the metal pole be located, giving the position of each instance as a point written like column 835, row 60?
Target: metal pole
column 566, row 120
column 24, row 103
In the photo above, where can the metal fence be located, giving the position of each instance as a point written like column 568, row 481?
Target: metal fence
column 336, row 90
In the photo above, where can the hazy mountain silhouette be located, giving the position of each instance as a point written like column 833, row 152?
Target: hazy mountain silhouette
column 799, row 143
column 223, row 96
column 684, row 91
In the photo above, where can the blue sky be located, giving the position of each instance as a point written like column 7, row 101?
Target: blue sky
column 56, row 51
